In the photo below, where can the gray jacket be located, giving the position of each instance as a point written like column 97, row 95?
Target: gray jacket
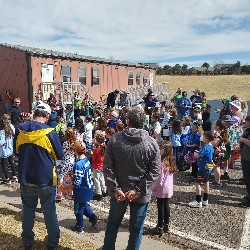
column 132, row 161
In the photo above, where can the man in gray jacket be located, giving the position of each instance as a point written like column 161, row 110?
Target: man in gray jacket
column 132, row 162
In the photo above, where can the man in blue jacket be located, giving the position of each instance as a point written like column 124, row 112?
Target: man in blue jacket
column 38, row 146
column 183, row 105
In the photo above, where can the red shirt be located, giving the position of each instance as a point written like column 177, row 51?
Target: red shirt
column 97, row 158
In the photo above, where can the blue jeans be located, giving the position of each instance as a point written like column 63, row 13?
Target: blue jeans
column 47, row 196
column 117, row 210
column 81, row 209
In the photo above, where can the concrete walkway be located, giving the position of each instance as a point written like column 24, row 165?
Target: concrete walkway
column 10, row 199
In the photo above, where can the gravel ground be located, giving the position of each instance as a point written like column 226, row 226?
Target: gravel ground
column 220, row 223
column 11, row 229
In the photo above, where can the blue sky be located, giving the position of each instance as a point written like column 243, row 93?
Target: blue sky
column 163, row 31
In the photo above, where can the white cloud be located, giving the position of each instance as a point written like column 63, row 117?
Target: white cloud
column 141, row 30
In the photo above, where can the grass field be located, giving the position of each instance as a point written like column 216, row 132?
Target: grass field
column 215, row 87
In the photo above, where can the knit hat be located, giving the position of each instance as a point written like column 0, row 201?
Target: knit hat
column 226, row 118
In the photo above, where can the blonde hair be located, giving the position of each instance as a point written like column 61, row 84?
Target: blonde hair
column 244, row 106
column 168, row 156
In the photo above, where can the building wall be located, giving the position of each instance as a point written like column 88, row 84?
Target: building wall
column 13, row 74
column 24, row 81
column 111, row 76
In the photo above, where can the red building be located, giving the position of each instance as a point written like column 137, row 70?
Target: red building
column 25, row 71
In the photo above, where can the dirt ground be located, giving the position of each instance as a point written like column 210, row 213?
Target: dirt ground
column 215, row 87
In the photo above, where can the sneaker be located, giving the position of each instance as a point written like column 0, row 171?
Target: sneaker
column 95, row 222
column 59, row 198
column 157, row 231
column 97, row 197
column 14, row 179
column 76, row 229
column 166, row 228
column 205, row 203
column 195, row 204
column 6, row 182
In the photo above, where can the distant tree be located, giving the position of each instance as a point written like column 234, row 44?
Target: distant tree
column 177, row 69
column 245, row 69
column 184, row 69
column 160, row 71
column 236, row 69
column 167, row 69
column 206, row 65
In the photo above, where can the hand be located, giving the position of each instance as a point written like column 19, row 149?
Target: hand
column 241, row 140
column 59, row 181
column 120, row 196
column 131, row 195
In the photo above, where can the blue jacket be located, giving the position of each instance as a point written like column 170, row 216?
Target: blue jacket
column 82, row 181
column 183, row 105
column 52, row 119
column 37, row 146
column 6, row 145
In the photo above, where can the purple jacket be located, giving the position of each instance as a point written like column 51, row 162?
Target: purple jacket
column 163, row 186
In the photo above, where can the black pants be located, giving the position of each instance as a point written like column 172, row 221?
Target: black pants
column 4, row 163
column 194, row 171
column 246, row 173
column 163, row 211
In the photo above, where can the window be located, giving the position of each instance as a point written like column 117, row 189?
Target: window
column 145, row 78
column 82, row 75
column 130, row 78
column 95, row 77
column 66, row 73
column 138, row 78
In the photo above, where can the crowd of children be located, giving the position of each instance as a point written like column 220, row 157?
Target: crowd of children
column 182, row 128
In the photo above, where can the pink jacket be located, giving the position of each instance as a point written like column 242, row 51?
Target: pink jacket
column 164, row 184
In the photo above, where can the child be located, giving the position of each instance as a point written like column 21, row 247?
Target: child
column 88, row 132
column 109, row 133
column 175, row 139
column 155, row 127
column 163, row 188
column 244, row 110
column 97, row 165
column 68, row 160
column 82, row 189
column 205, row 167
column 6, row 151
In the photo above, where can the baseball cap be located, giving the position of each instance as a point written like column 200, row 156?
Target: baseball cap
column 44, row 107
column 114, row 114
column 237, row 104
column 226, row 118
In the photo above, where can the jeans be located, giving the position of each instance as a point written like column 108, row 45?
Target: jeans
column 47, row 196
column 246, row 173
column 81, row 209
column 117, row 210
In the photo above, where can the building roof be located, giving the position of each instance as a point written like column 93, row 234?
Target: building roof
column 70, row 56
column 224, row 65
column 203, row 69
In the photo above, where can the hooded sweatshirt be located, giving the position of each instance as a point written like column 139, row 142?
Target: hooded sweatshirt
column 38, row 146
column 132, row 162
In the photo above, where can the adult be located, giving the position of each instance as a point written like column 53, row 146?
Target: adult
column 150, row 101
column 196, row 98
column 15, row 112
column 125, row 100
column 183, row 105
column 245, row 163
column 236, row 109
column 111, row 99
column 52, row 118
column 8, row 99
column 131, row 164
column 38, row 146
